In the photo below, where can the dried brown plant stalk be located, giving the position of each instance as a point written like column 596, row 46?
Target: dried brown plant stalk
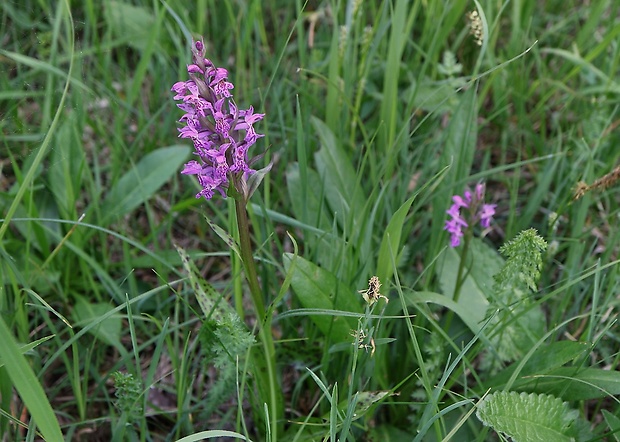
column 602, row 183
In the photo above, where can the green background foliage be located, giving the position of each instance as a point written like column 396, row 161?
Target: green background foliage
column 377, row 112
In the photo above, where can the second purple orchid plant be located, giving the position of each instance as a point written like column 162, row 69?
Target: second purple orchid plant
column 222, row 135
column 467, row 211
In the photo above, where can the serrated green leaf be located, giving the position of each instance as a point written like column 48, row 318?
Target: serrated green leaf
column 528, row 417
column 319, row 289
column 141, row 182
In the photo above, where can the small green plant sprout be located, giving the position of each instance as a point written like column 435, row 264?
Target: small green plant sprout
column 127, row 391
column 372, row 294
column 516, row 279
column 449, row 66
column 523, row 262
column 530, row 417
column 224, row 338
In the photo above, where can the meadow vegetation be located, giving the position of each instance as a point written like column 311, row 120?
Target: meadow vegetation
column 132, row 311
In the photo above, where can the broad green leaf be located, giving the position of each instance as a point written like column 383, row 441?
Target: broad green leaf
column 469, row 317
column 66, row 167
column 478, row 285
column 613, row 422
column 108, row 329
column 311, row 209
column 342, row 188
column 461, row 136
column 528, row 417
column 317, row 288
column 256, row 178
column 129, row 23
column 28, row 386
column 390, row 244
column 578, row 385
column 543, row 361
column 458, row 147
column 142, row 181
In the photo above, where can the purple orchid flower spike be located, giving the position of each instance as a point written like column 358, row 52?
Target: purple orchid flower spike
column 466, row 211
column 221, row 132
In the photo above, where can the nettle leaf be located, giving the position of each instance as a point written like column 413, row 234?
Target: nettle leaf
column 142, row 181
column 528, row 417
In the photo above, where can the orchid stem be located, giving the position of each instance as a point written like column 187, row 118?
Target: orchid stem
column 264, row 361
column 460, row 279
